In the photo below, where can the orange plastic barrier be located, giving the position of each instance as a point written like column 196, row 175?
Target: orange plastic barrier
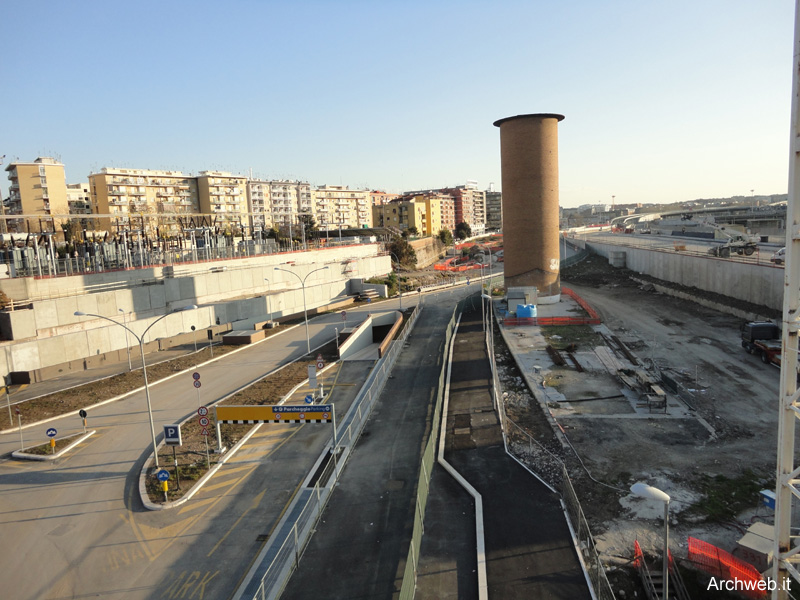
column 718, row 563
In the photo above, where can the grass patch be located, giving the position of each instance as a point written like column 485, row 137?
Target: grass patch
column 562, row 336
column 44, row 449
column 724, row 498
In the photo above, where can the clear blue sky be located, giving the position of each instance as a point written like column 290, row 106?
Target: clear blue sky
column 664, row 101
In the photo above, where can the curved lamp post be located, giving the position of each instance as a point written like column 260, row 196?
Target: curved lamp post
column 269, row 291
column 645, row 491
column 140, row 339
column 303, row 284
column 399, row 285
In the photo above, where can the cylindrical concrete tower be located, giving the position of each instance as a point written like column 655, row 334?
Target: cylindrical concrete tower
column 529, row 165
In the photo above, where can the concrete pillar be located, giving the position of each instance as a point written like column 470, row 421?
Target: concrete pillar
column 529, row 166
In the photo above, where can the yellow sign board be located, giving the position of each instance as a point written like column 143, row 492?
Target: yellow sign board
column 314, row 413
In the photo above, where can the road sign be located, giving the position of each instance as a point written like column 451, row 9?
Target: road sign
column 195, row 375
column 204, row 432
column 317, row 413
column 163, row 475
column 197, row 383
column 344, row 315
column 320, row 364
column 51, row 433
column 309, row 399
column 204, row 421
column 82, row 413
column 172, row 435
column 202, row 411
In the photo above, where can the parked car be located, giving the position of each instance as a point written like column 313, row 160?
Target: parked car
column 779, row 257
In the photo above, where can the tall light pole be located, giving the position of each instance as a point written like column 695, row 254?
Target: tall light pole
column 127, row 345
column 269, row 291
column 645, row 491
column 79, row 313
column 399, row 285
column 303, row 284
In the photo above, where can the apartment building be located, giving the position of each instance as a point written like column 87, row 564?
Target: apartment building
column 378, row 197
column 339, row 206
column 79, row 199
column 494, row 210
column 470, row 206
column 39, row 191
column 223, row 197
column 126, row 194
column 277, row 204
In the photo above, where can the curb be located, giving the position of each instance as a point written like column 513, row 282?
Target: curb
column 139, row 389
column 21, row 454
column 226, row 456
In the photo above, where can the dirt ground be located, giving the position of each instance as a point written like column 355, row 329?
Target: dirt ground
column 711, row 455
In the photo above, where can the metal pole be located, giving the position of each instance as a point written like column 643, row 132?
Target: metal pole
column 149, row 404
column 177, row 472
column 666, row 551
column 305, row 315
column 8, row 402
column 127, row 343
column 19, row 420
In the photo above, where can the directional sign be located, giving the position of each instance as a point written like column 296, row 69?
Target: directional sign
column 195, row 375
column 163, row 475
column 172, row 435
column 204, row 421
column 299, row 413
column 202, row 411
column 197, row 383
column 51, row 433
column 309, row 399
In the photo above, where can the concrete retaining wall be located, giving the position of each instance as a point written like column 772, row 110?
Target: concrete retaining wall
column 428, row 251
column 49, row 334
column 756, row 283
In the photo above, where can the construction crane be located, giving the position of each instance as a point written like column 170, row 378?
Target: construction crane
column 736, row 242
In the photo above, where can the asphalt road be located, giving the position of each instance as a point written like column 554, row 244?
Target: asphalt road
column 360, row 545
column 77, row 524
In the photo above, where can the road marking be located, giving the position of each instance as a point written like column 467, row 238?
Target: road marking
column 195, row 583
column 155, row 540
column 256, row 502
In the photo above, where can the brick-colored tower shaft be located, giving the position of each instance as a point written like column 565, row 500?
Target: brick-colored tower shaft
column 529, row 165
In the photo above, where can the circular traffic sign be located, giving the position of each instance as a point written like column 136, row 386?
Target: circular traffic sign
column 51, row 433
column 320, row 364
column 82, row 413
column 309, row 399
column 302, row 416
column 197, row 383
column 325, row 415
column 202, row 411
column 204, row 421
column 163, row 475
column 195, row 375
column 344, row 315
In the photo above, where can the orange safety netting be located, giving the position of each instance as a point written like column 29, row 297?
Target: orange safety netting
column 718, row 563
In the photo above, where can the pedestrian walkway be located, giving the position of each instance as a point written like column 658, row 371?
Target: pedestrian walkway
column 529, row 547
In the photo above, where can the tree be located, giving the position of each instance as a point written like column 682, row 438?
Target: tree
column 413, row 230
column 463, row 230
column 403, row 252
column 446, row 237
column 307, row 221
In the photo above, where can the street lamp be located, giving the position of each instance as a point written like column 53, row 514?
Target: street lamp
column 645, row 491
column 79, row 313
column 127, row 345
column 269, row 291
column 399, row 285
column 305, row 310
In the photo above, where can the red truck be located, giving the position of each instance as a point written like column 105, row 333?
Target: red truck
column 764, row 339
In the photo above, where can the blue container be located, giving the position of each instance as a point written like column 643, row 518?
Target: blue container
column 526, row 311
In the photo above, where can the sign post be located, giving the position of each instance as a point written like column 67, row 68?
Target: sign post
column 19, row 420
column 51, row 433
column 7, row 380
column 163, row 477
column 204, row 422
column 196, row 377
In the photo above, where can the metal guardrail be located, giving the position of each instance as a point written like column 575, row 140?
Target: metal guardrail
column 292, row 540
